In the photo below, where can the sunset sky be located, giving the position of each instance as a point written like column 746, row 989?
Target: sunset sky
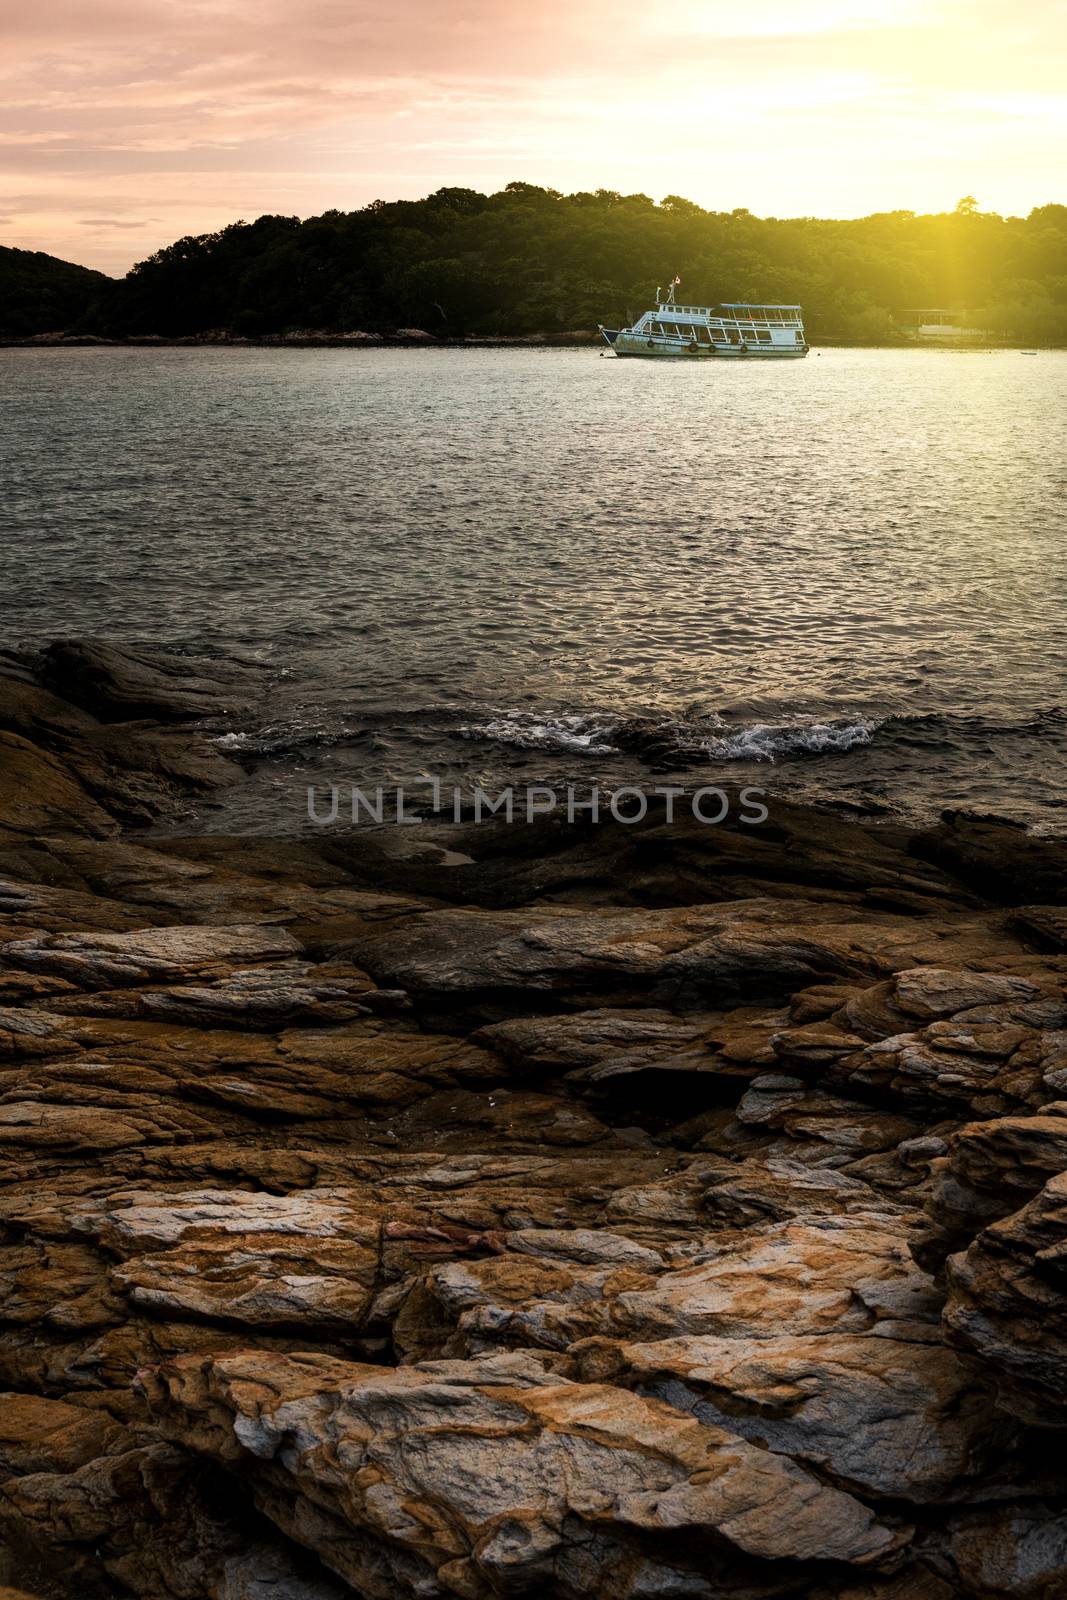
column 125, row 123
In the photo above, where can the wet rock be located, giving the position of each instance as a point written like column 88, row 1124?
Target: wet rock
column 684, row 958
column 129, row 773
column 998, row 857
column 121, row 685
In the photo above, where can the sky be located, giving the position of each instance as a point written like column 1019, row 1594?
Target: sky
column 127, row 123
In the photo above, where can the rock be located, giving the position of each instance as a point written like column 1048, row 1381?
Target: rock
column 917, row 1582
column 686, row 958
column 116, row 960
column 931, row 993
column 988, row 1171
column 247, row 998
column 844, row 1274
column 268, row 1261
column 38, row 792
column 617, row 1042
column 39, row 1435
column 998, row 857
column 981, row 1063
column 785, row 1105
column 1049, row 923
column 776, row 1188
column 148, row 1518
column 1018, row 1550
column 614, row 1057
column 475, row 1477
column 66, row 771
column 121, row 685
column 1007, row 1298
column 888, row 1418
column 461, row 1211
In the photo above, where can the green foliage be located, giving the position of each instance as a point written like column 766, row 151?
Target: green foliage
column 40, row 294
column 532, row 260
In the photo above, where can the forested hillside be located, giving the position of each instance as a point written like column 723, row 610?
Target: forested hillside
column 41, row 294
column 530, row 260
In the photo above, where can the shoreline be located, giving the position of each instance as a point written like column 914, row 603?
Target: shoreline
column 682, row 1194
column 424, row 341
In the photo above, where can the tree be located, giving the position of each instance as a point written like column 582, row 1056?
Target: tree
column 529, row 259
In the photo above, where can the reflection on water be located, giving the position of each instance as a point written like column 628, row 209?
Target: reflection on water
column 496, row 560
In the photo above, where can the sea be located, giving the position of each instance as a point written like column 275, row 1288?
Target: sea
column 843, row 578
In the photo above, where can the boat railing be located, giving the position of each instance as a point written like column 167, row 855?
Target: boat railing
column 754, row 316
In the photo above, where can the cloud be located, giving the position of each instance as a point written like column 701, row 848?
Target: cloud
column 124, row 123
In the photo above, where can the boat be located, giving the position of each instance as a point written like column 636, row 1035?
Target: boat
column 734, row 329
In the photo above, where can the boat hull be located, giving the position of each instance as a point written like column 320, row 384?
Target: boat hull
column 659, row 348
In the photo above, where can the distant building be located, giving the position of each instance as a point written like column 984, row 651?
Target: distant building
column 938, row 322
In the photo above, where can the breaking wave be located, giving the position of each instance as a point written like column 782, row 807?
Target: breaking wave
column 528, row 731
column 765, row 741
column 659, row 739
column 287, row 738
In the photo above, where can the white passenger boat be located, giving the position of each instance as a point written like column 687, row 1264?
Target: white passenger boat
column 735, row 328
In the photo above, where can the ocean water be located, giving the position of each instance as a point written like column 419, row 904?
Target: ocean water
column 845, row 576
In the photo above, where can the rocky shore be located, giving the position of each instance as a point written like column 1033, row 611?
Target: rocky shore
column 449, row 1211
column 311, row 338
